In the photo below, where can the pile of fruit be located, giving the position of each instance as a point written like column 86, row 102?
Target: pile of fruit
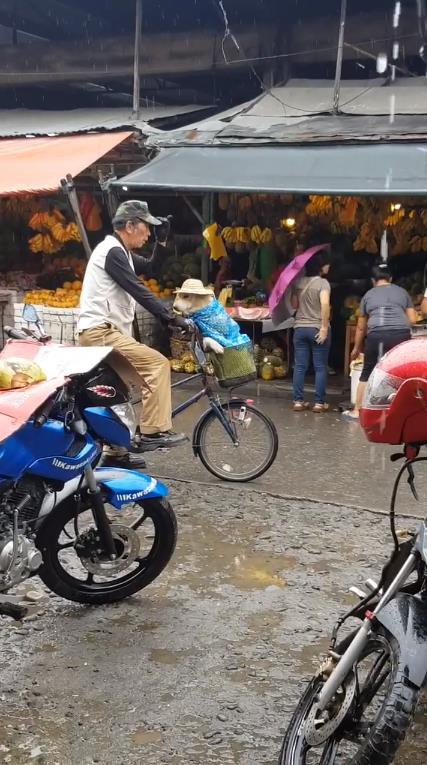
column 269, row 360
column 53, row 232
column 245, row 235
column 176, row 269
column 350, row 309
column 157, row 289
column 186, row 363
column 67, row 296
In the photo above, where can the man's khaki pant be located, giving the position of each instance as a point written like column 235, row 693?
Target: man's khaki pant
column 152, row 368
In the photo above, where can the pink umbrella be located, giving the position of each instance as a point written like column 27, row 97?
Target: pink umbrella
column 279, row 301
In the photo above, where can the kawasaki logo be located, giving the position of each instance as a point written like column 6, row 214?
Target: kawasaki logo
column 138, row 494
column 69, row 466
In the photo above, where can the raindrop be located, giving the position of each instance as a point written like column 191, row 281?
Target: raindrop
column 382, row 62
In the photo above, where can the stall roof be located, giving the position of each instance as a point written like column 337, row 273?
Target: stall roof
column 36, row 165
column 381, row 169
column 301, row 111
column 22, row 122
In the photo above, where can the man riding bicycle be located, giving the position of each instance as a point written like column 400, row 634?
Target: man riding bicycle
column 110, row 292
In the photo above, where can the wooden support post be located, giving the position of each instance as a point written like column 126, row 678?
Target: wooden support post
column 70, row 192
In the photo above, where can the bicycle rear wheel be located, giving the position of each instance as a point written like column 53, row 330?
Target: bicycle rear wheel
column 256, row 444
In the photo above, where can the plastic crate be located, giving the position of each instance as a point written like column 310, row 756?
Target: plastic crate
column 59, row 324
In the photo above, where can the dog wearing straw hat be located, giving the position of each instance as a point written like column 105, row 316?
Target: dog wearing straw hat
column 219, row 330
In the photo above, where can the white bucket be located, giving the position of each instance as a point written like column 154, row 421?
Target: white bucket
column 355, row 377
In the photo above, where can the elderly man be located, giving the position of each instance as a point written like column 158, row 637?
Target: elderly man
column 110, row 292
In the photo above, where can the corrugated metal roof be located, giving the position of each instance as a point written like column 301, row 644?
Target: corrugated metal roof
column 302, row 111
column 22, row 122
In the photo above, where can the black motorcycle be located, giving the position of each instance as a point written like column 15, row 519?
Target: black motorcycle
column 357, row 708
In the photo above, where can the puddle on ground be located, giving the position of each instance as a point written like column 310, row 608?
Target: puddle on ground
column 259, row 622
column 163, row 656
column 232, row 563
column 46, row 648
column 307, row 659
column 142, row 737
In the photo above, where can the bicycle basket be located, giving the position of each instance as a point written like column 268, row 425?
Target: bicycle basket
column 235, row 366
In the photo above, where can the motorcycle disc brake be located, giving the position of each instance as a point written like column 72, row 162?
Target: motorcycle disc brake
column 128, row 546
column 318, row 727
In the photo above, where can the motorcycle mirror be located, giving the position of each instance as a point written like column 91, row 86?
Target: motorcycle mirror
column 30, row 314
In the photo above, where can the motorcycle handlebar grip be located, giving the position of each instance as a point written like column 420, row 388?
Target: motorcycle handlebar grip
column 15, row 334
column 42, row 417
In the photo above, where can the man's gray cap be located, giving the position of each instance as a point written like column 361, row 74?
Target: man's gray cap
column 134, row 209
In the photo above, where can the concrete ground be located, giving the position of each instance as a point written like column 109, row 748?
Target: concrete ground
column 205, row 666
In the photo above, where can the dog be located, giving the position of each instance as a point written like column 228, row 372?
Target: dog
column 198, row 302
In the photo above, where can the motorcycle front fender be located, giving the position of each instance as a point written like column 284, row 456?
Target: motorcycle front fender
column 122, row 487
column 405, row 617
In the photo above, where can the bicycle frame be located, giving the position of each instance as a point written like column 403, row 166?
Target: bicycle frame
column 206, row 390
column 214, row 402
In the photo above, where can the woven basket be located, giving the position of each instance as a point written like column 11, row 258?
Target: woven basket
column 179, row 347
column 235, row 366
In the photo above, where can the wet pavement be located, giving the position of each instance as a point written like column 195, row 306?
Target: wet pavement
column 205, row 665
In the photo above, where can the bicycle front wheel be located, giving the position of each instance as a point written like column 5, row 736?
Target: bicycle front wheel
column 245, row 457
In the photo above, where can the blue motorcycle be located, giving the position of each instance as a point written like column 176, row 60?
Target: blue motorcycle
column 93, row 535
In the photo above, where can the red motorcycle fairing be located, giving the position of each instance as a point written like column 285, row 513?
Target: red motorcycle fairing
column 59, row 362
column 404, row 421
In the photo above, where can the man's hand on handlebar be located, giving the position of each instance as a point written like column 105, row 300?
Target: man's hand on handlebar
column 185, row 325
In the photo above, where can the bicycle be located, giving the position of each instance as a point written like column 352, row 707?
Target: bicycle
column 227, row 427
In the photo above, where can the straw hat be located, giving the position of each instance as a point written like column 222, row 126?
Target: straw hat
column 194, row 287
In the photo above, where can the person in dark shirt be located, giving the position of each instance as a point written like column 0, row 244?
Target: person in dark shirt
column 386, row 315
column 110, row 292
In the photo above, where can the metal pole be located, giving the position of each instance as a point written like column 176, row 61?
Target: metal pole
column 137, row 56
column 340, row 51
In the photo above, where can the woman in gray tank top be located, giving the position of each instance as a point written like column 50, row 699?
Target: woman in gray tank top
column 385, row 320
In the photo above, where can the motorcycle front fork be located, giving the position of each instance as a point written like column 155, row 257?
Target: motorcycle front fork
column 103, row 526
column 354, row 650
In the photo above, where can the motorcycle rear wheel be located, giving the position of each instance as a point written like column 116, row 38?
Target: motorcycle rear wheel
column 356, row 742
column 57, row 538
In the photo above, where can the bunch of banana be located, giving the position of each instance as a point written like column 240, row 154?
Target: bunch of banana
column 394, row 218
column 73, row 232
column 346, row 213
column 65, row 233
column 418, row 244
column 45, row 220
column 243, row 234
column 43, row 243
column 319, row 206
column 256, row 234
column 366, row 239
column 229, row 234
column 266, row 236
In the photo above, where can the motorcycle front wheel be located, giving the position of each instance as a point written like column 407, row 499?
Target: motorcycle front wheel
column 374, row 726
column 74, row 565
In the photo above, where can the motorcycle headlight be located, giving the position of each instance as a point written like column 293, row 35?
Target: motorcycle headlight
column 126, row 413
column 381, row 390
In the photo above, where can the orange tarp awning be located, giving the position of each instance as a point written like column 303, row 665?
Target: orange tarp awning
column 36, row 165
